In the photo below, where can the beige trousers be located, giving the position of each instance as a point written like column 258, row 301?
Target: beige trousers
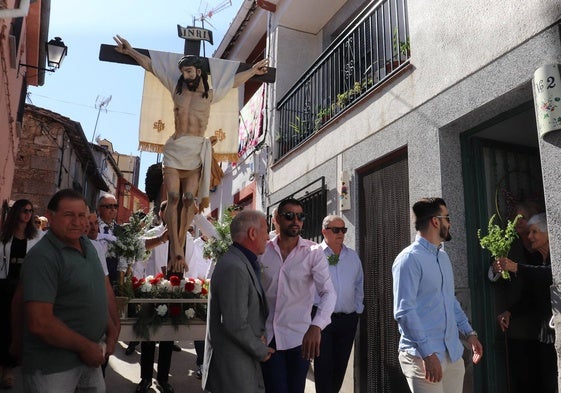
column 414, row 370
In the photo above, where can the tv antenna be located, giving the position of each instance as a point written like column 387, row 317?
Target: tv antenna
column 207, row 14
column 101, row 104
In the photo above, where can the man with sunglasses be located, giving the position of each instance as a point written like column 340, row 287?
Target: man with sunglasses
column 107, row 207
column 429, row 316
column 337, row 338
column 293, row 271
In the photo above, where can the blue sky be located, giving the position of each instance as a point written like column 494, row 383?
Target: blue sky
column 83, row 26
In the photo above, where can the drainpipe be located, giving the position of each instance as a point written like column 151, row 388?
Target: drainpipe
column 16, row 12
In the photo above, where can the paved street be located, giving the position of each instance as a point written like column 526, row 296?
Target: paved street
column 123, row 372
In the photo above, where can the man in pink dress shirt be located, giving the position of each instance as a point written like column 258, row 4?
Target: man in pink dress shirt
column 293, row 269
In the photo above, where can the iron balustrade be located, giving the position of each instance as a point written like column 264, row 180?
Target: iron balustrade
column 371, row 49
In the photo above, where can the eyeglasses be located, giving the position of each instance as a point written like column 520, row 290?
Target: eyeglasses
column 447, row 218
column 115, row 206
column 27, row 211
column 290, row 216
column 337, row 229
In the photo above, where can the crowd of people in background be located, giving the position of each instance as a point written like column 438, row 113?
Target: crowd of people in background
column 277, row 304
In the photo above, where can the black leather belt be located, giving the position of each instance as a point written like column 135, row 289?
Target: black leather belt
column 342, row 314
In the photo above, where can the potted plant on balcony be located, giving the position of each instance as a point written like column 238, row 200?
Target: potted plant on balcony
column 322, row 116
column 398, row 47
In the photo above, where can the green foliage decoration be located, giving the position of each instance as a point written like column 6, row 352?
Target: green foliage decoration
column 214, row 248
column 498, row 241
column 333, row 259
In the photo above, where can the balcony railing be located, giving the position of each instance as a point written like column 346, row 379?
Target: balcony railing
column 368, row 52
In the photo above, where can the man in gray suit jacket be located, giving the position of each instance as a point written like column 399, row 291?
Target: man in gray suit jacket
column 238, row 310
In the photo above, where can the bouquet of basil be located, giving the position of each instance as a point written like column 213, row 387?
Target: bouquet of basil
column 498, row 240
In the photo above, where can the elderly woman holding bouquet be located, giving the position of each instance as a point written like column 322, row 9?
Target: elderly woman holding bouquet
column 537, row 299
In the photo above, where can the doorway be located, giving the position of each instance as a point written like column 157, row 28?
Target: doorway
column 384, row 232
column 501, row 167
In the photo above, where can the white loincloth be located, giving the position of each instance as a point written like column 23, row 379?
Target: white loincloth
column 190, row 152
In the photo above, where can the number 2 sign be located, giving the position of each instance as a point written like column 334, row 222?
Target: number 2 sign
column 547, row 98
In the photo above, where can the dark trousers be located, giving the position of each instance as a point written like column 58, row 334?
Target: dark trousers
column 200, row 350
column 547, row 368
column 335, row 348
column 285, row 371
column 114, row 275
column 147, row 349
column 7, row 290
column 522, row 360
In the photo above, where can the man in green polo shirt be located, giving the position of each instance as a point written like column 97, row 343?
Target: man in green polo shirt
column 67, row 331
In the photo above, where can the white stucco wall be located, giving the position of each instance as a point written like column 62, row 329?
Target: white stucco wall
column 293, row 52
column 449, row 42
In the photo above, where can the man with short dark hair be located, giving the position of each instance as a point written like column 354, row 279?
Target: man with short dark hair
column 294, row 270
column 238, row 310
column 67, row 332
column 429, row 316
column 337, row 338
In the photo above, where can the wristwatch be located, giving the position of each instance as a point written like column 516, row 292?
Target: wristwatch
column 472, row 333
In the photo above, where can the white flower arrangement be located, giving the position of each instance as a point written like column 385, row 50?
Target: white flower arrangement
column 162, row 310
column 129, row 243
column 214, row 248
column 190, row 313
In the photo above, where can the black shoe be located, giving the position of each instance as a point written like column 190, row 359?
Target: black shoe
column 166, row 387
column 176, row 348
column 144, row 385
column 199, row 373
column 131, row 348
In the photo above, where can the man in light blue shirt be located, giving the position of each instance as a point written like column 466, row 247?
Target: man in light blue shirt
column 429, row 316
column 337, row 338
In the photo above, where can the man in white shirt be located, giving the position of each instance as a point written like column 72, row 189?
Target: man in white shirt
column 107, row 211
column 92, row 233
column 199, row 267
column 337, row 338
column 293, row 270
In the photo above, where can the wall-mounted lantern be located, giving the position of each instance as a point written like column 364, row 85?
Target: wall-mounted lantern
column 56, row 52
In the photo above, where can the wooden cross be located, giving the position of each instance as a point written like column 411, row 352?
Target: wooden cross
column 108, row 53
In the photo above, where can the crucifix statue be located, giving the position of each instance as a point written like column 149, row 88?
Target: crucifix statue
column 187, row 154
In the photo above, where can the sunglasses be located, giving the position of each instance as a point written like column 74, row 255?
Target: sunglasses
column 26, row 211
column 290, row 216
column 447, row 218
column 338, row 229
column 115, row 206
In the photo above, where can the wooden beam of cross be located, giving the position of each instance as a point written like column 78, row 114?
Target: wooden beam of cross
column 108, row 53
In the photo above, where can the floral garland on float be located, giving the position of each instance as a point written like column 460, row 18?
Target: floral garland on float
column 160, row 301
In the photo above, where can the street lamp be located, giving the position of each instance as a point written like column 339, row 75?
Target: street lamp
column 56, row 52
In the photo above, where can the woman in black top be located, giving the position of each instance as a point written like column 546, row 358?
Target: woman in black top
column 18, row 235
column 538, row 280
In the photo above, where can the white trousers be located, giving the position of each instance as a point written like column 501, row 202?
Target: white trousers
column 414, row 370
column 82, row 379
